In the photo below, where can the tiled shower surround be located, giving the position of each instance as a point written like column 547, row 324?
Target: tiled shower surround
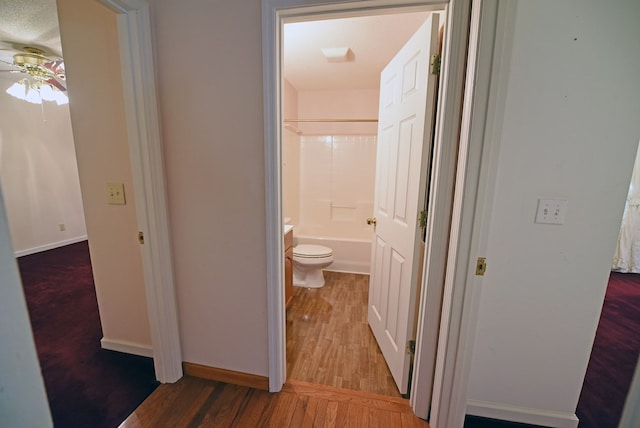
column 337, row 180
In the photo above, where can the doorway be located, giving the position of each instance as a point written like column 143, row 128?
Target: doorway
column 616, row 347
column 331, row 98
column 145, row 159
column 71, row 335
column 320, row 125
column 460, row 43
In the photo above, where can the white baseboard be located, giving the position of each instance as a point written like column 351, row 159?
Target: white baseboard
column 50, row 246
column 547, row 418
column 349, row 267
column 127, row 347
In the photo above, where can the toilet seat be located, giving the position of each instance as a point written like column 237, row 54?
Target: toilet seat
column 308, row 262
column 309, row 251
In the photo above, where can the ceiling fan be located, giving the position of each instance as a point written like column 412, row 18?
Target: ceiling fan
column 44, row 78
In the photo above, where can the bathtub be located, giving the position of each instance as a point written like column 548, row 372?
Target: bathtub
column 349, row 255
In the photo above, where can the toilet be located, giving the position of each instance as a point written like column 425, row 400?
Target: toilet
column 308, row 262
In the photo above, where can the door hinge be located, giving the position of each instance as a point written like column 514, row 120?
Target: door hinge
column 422, row 219
column 411, row 347
column 435, row 64
column 141, row 238
column 481, row 266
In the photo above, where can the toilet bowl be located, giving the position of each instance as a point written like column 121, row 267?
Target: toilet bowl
column 308, row 262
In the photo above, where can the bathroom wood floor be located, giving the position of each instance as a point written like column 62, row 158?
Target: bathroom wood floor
column 329, row 341
column 199, row 403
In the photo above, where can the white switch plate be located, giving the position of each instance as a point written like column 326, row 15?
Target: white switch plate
column 551, row 211
column 115, row 194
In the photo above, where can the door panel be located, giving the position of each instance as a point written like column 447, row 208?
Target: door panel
column 376, row 302
column 404, row 144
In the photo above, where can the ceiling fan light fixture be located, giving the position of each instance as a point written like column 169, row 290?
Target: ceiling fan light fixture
column 60, row 97
column 18, row 89
column 37, row 92
column 26, row 59
column 47, row 93
column 33, row 96
column 25, row 92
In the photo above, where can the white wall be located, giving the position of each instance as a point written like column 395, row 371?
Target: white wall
column 90, row 42
column 569, row 130
column 212, row 123
column 339, row 104
column 23, row 401
column 290, row 156
column 39, row 174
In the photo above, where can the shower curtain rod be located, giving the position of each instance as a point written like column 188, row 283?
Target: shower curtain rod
column 328, row 120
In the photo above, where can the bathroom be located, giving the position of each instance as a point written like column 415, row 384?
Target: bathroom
column 330, row 115
column 329, row 135
column 329, row 175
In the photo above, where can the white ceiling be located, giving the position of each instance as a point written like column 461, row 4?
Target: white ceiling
column 373, row 41
column 27, row 23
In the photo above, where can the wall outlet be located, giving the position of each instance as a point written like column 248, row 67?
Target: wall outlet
column 115, row 194
column 551, row 211
column 62, row 227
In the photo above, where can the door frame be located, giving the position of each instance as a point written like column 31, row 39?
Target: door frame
column 465, row 187
column 147, row 168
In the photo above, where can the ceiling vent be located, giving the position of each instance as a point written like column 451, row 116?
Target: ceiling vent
column 336, row 54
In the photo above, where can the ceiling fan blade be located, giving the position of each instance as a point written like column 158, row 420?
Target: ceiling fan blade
column 55, row 69
column 8, row 63
column 54, row 65
column 55, row 82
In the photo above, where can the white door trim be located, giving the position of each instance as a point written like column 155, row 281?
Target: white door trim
column 631, row 411
column 147, row 167
column 443, row 178
column 456, row 336
column 489, row 54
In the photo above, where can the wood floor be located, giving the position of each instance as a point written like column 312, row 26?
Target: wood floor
column 329, row 341
column 194, row 402
column 614, row 354
column 337, row 375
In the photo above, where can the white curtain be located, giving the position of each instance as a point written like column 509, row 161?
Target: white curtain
column 627, row 256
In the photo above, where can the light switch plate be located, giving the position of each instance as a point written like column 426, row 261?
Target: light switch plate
column 115, row 194
column 551, row 211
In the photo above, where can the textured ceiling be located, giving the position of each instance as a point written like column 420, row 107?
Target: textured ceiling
column 29, row 23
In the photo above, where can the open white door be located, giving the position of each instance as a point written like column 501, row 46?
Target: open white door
column 407, row 90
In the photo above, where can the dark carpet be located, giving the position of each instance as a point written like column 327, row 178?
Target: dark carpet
column 479, row 422
column 614, row 355
column 86, row 385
